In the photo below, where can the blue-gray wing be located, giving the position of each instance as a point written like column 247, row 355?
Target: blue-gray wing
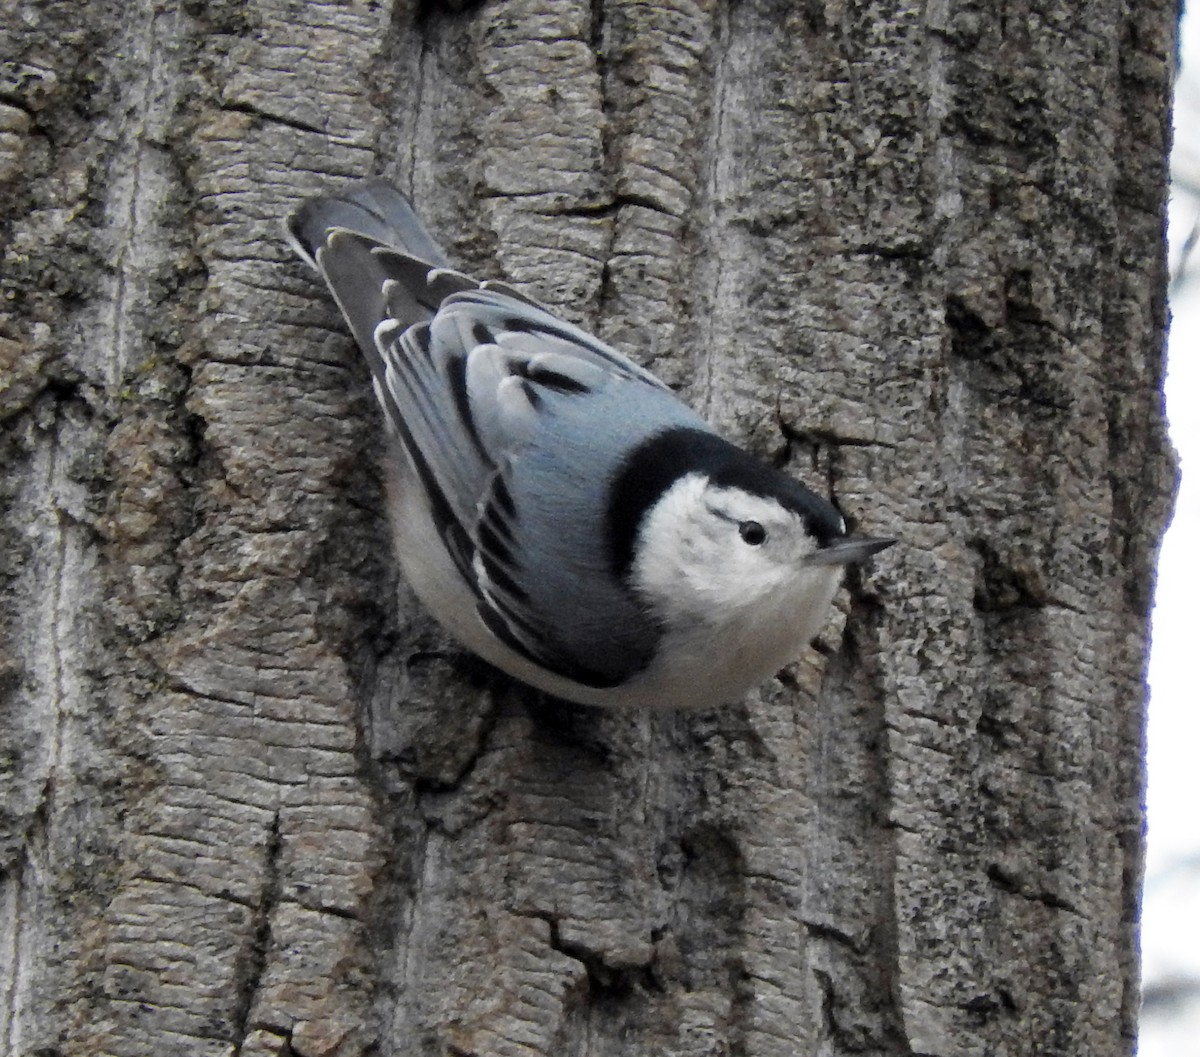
column 514, row 420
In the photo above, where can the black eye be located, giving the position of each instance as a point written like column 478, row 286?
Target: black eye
column 752, row 532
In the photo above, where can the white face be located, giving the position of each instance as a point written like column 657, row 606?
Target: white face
column 706, row 553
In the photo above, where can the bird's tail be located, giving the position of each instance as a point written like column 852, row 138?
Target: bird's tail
column 373, row 209
column 377, row 259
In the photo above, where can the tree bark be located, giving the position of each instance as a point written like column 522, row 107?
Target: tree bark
column 255, row 802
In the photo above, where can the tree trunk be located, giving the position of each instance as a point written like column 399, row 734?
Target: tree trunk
column 256, row 802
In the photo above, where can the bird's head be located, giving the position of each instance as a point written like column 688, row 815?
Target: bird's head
column 723, row 536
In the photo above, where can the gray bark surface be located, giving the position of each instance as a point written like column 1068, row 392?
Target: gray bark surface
column 255, row 803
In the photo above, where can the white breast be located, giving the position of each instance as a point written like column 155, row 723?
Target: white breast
column 715, row 663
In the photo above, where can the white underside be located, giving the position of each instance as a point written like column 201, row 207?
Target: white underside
column 711, row 664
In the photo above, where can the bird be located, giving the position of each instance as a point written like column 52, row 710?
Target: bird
column 555, row 506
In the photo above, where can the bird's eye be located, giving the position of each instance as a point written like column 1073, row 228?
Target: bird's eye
column 752, row 532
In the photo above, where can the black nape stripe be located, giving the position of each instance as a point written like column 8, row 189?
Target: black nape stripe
column 654, row 466
column 647, row 472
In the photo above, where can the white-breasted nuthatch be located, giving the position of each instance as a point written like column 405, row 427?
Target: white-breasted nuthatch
column 554, row 505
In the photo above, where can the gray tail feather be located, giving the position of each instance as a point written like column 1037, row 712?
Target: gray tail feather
column 339, row 235
column 373, row 209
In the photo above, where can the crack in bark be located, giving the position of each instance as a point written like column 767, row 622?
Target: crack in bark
column 249, row 109
column 15, row 887
column 1008, row 881
column 815, row 437
column 615, row 983
column 717, row 133
column 254, row 957
column 824, row 931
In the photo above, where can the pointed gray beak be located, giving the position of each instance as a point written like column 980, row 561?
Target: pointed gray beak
column 850, row 549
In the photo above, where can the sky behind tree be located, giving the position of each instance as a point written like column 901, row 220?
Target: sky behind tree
column 1171, row 905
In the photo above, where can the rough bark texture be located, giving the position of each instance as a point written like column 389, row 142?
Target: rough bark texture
column 255, row 803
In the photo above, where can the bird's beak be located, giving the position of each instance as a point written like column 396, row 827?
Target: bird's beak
column 850, row 549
